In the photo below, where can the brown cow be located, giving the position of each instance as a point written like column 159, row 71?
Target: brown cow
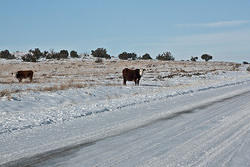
column 24, row 74
column 132, row 75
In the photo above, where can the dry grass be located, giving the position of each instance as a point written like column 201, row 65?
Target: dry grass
column 7, row 93
column 79, row 74
column 4, row 93
column 60, row 87
column 43, row 89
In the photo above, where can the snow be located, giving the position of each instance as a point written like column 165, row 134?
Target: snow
column 36, row 123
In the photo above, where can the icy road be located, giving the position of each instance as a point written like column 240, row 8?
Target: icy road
column 206, row 128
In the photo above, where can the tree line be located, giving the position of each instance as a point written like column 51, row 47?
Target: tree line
column 34, row 55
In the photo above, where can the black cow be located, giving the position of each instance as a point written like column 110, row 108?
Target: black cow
column 132, row 75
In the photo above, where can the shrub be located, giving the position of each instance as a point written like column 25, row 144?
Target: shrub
column 100, row 52
column 165, row 56
column 245, row 62
column 63, row 54
column 248, row 68
column 126, row 56
column 194, row 58
column 37, row 53
column 29, row 58
column 145, row 57
column 206, row 57
column 34, row 55
column 45, row 53
column 74, row 54
column 52, row 55
column 5, row 54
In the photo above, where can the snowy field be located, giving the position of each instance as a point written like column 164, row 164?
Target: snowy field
column 74, row 102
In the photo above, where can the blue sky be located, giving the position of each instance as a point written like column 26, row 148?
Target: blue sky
column 185, row 28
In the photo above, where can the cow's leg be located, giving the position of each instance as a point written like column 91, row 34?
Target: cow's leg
column 20, row 79
column 124, row 81
column 31, row 78
column 138, row 82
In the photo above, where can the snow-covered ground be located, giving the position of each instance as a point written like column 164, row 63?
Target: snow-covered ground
column 208, row 133
column 74, row 102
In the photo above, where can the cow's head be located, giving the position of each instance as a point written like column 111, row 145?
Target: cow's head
column 14, row 74
column 141, row 72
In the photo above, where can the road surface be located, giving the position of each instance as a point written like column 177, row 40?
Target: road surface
column 217, row 134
